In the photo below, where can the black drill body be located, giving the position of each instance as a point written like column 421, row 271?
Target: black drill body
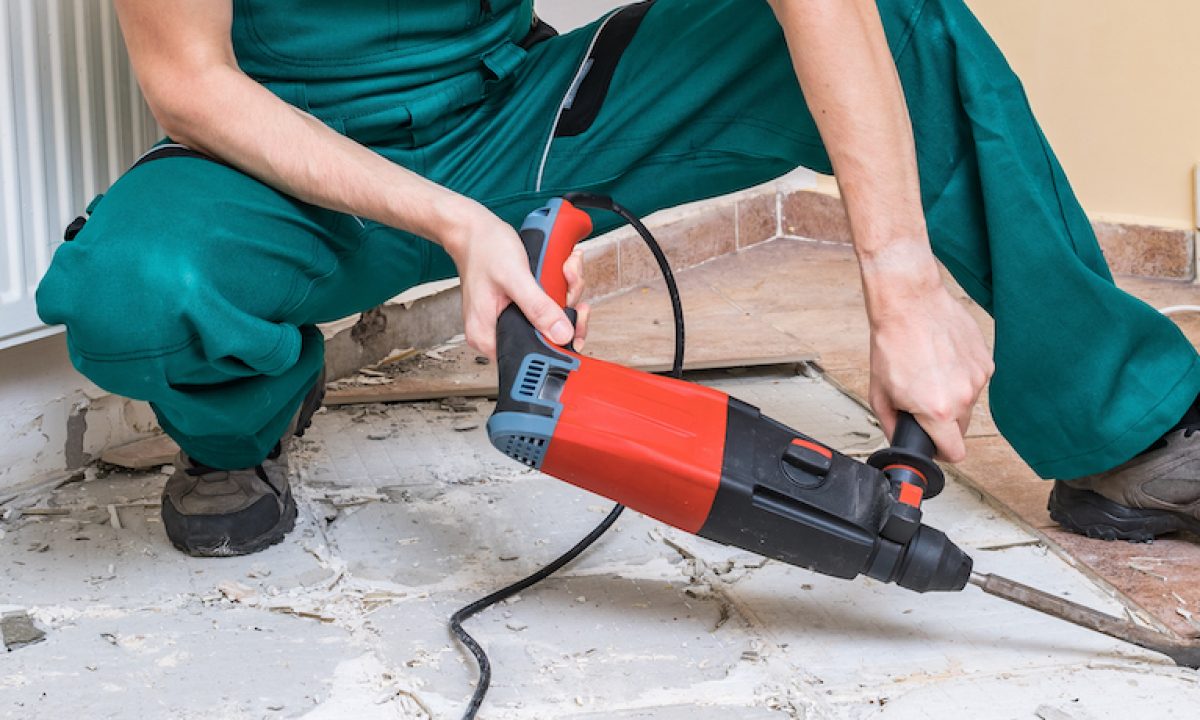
column 826, row 512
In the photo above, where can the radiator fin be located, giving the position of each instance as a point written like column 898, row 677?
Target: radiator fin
column 71, row 120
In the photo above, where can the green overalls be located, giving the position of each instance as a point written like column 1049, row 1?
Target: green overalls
column 196, row 287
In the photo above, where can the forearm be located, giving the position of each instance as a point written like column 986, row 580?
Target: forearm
column 849, row 80
column 185, row 63
column 184, row 59
column 230, row 116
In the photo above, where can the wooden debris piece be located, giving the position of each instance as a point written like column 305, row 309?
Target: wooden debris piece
column 48, row 511
column 150, row 453
column 463, row 380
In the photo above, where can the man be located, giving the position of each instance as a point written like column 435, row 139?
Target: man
column 326, row 155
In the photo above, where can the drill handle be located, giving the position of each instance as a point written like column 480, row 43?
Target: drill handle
column 550, row 234
column 908, row 465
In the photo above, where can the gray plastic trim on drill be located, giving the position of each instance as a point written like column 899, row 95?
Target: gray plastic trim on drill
column 531, row 378
column 543, row 219
column 525, row 437
column 521, row 436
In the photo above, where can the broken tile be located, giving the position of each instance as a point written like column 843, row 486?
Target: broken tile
column 143, row 454
column 19, row 630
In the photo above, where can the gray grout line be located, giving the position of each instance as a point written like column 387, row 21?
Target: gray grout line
column 1194, row 261
column 721, row 294
column 737, row 225
column 778, row 213
column 814, row 241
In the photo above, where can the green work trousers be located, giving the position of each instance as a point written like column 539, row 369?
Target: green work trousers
column 197, row 288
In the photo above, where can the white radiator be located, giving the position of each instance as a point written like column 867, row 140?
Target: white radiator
column 71, row 120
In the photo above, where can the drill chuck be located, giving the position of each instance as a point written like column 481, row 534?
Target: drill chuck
column 929, row 562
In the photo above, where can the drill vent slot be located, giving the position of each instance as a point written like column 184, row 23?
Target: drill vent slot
column 526, row 449
column 533, row 374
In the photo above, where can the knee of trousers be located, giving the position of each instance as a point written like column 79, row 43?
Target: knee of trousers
column 139, row 323
column 121, row 316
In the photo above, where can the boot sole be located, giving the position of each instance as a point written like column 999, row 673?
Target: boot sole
column 214, row 542
column 1088, row 513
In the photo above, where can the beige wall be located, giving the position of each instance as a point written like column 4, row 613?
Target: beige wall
column 1114, row 83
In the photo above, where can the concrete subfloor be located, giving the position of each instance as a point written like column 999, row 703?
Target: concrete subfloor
column 407, row 513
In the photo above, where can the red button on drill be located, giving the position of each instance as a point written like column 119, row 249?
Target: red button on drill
column 809, row 457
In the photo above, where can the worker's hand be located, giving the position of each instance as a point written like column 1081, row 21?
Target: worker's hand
column 928, row 356
column 495, row 271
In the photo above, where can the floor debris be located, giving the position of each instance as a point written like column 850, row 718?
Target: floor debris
column 1046, row 712
column 144, row 454
column 653, row 623
column 45, row 511
column 452, row 372
column 19, row 630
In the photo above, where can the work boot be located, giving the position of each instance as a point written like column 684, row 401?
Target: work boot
column 208, row 512
column 1155, row 493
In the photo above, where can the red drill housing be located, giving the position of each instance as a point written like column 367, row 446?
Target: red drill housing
column 704, row 462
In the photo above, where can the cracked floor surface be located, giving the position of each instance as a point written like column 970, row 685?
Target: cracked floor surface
column 407, row 513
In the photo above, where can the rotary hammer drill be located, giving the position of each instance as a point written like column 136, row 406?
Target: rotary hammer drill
column 702, row 461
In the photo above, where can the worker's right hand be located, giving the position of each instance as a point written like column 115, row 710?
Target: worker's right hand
column 494, row 269
column 928, row 357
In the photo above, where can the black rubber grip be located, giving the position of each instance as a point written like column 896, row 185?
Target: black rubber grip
column 910, row 457
column 909, row 435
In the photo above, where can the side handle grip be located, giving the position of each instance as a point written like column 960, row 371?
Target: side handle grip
column 909, row 461
column 909, row 435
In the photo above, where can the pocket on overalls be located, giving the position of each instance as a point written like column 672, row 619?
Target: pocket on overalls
column 328, row 33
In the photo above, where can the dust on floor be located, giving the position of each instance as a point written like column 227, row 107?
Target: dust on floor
column 407, row 513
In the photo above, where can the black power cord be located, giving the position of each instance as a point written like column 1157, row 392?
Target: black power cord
column 596, row 202
column 603, row 202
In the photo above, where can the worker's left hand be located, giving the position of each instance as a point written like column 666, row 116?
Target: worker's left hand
column 495, row 271
column 928, row 356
